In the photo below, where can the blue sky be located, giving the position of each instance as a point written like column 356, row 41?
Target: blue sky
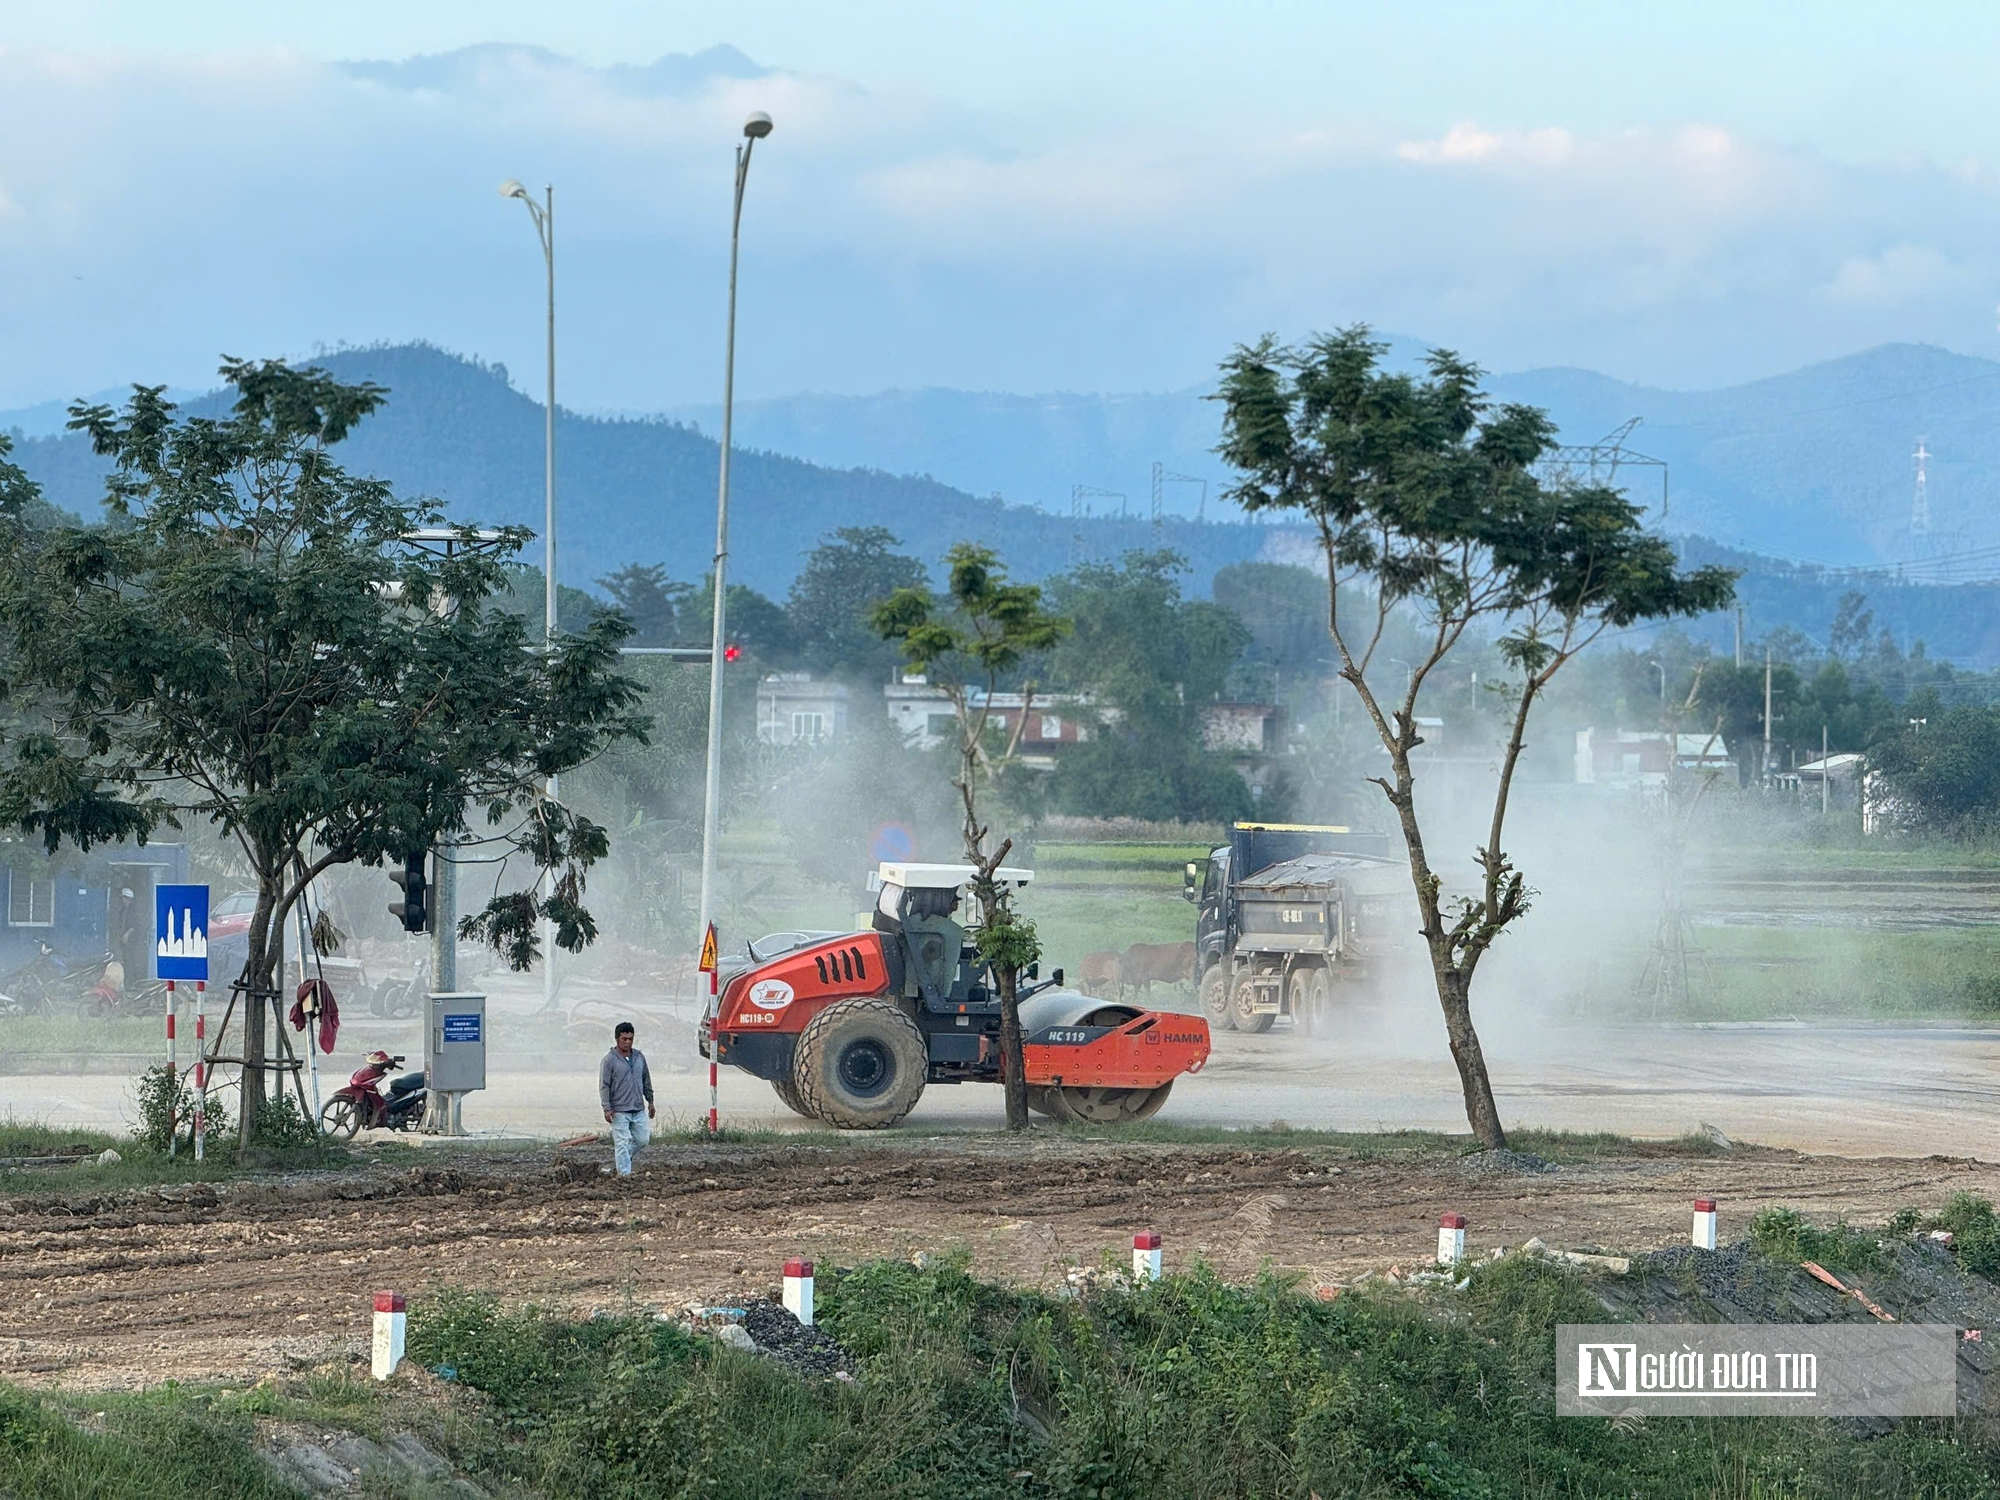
column 1020, row 197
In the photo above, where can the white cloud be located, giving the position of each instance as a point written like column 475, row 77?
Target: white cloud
column 1898, row 275
column 1467, row 143
column 167, row 209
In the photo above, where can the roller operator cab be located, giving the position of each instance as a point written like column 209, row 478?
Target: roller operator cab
column 850, row 1028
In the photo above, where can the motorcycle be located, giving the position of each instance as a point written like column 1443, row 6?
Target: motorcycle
column 362, row 1106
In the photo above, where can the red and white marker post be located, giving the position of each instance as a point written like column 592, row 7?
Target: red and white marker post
column 200, row 1070
column 1703, row 1237
column 710, row 964
column 173, row 1078
column 1451, row 1239
column 1146, row 1255
column 390, row 1319
column 799, row 1289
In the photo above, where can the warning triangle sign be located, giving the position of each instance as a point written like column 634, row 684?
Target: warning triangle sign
column 708, row 955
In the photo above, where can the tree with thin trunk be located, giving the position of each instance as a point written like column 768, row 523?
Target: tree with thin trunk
column 250, row 639
column 966, row 644
column 1424, row 496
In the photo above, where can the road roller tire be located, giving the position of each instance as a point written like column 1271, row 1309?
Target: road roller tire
column 1084, row 1106
column 1215, row 997
column 1241, row 1015
column 788, row 1095
column 860, row 1065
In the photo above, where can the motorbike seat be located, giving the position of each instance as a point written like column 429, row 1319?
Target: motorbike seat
column 409, row 1083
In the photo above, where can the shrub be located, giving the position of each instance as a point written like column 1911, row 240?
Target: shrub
column 1975, row 1234
column 1787, row 1234
column 166, row 1109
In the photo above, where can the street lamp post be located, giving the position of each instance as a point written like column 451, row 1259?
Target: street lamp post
column 544, row 216
column 754, row 130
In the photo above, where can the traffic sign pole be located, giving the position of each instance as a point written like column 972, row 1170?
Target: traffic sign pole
column 710, row 963
column 173, row 1079
column 200, row 1070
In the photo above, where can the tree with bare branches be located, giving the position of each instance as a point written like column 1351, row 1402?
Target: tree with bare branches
column 1424, row 496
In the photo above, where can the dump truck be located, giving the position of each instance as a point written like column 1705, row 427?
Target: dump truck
column 850, row 1028
column 1287, row 915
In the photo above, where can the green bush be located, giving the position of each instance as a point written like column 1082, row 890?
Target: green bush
column 1975, row 1234
column 1786, row 1234
column 283, row 1126
column 166, row 1106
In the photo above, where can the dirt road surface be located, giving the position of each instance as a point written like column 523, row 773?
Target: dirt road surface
column 1844, row 1090
column 258, row 1276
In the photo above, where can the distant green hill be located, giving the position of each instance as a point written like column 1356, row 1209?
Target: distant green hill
column 1808, row 463
column 644, row 490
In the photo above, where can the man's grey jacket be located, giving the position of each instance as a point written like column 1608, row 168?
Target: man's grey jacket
column 624, row 1085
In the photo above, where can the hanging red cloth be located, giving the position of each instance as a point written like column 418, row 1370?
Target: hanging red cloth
column 324, row 1006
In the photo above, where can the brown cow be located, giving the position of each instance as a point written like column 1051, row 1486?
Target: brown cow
column 1168, row 963
column 1102, row 975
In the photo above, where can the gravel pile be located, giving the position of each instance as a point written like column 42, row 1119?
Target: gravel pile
column 784, row 1338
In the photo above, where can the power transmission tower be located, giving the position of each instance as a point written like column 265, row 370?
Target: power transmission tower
column 1078, row 493
column 1162, row 477
column 1920, row 503
column 1599, row 462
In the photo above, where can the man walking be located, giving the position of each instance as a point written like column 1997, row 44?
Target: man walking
column 625, row 1090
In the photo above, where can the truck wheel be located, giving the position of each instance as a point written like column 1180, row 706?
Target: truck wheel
column 788, row 1095
column 1215, row 997
column 1319, row 1003
column 860, row 1065
column 1298, row 1001
column 1242, row 1015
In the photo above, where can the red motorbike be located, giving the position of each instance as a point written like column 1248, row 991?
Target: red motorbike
column 363, row 1106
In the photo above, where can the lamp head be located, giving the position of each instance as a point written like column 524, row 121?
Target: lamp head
column 512, row 189
column 757, row 126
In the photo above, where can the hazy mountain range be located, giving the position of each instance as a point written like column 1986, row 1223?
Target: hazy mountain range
column 1807, row 469
column 1814, row 465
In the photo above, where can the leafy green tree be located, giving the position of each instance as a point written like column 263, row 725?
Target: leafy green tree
column 982, row 631
column 755, row 623
column 1423, row 491
column 250, row 642
column 650, row 600
column 1153, row 663
column 851, row 570
column 1736, row 696
column 1941, row 767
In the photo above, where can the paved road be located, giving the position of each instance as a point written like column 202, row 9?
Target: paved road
column 1855, row 1091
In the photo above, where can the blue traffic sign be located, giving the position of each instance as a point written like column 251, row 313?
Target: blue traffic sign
column 180, row 932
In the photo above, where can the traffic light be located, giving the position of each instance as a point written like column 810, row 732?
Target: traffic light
column 413, row 909
column 731, row 651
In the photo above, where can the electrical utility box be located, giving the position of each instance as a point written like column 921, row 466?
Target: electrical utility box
column 455, row 1044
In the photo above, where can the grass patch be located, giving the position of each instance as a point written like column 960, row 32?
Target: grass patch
column 140, row 1166
column 1553, row 1145
column 1785, row 1234
column 967, row 1390
column 62, row 1036
column 1189, row 1387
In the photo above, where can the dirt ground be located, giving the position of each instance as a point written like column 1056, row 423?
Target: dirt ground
column 233, row 1282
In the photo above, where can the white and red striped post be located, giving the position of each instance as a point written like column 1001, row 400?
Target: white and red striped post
column 200, row 1070
column 1146, row 1255
column 173, row 1078
column 389, row 1323
column 1451, row 1239
column 1704, row 1224
column 799, row 1289
column 714, row 1128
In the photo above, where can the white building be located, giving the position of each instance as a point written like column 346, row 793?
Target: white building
column 792, row 709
